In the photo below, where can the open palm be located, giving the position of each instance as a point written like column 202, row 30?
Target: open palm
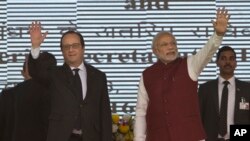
column 220, row 25
column 36, row 35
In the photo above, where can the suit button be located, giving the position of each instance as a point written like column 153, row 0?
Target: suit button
column 81, row 105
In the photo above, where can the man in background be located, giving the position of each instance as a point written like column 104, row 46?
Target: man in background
column 25, row 107
column 7, row 108
column 218, row 113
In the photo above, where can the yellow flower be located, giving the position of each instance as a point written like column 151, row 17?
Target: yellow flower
column 115, row 118
column 123, row 128
column 126, row 117
column 129, row 136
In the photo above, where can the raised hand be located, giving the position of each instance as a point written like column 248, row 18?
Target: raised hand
column 36, row 35
column 220, row 25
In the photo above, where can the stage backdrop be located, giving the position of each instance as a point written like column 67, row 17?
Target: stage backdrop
column 118, row 36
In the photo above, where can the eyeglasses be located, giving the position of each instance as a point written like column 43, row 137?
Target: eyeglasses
column 74, row 46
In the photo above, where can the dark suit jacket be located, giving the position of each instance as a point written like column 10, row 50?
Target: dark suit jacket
column 209, row 106
column 31, row 111
column 96, row 113
column 6, row 114
column 25, row 112
column 24, row 109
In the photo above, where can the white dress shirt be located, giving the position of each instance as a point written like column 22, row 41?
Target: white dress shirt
column 195, row 64
column 230, row 104
column 82, row 72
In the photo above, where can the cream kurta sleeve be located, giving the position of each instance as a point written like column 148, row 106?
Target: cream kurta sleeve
column 197, row 62
column 141, row 109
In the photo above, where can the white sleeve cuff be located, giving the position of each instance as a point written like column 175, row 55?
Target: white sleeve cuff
column 35, row 52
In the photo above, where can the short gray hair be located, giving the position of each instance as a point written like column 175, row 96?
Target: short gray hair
column 158, row 35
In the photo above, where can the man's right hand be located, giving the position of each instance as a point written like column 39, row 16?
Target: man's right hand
column 36, row 36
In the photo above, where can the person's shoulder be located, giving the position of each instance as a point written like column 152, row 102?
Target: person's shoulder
column 5, row 91
column 54, row 70
column 153, row 66
column 209, row 82
column 91, row 68
column 47, row 56
column 151, row 69
column 27, row 84
column 8, row 91
column 242, row 83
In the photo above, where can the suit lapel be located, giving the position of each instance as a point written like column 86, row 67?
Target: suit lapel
column 214, row 89
column 237, row 98
column 90, row 81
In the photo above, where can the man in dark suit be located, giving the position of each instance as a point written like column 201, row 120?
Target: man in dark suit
column 25, row 107
column 6, row 114
column 80, row 107
column 211, row 99
column 7, row 108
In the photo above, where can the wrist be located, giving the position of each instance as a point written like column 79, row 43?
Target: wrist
column 220, row 34
column 34, row 46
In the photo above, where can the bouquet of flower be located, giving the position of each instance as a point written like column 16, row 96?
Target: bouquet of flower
column 122, row 127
